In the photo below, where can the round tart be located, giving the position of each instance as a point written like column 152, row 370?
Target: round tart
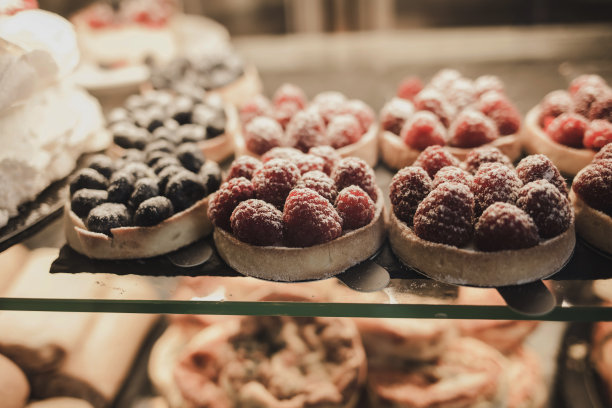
column 497, row 227
column 451, row 111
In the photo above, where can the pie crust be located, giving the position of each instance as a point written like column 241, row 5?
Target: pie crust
column 567, row 159
column 366, row 148
column 591, row 224
column 396, row 154
column 183, row 228
column 243, row 89
column 297, row 264
column 462, row 266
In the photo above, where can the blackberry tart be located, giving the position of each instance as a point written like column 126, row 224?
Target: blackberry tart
column 486, row 224
column 155, row 118
column 571, row 126
column 452, row 111
column 289, row 120
column 141, row 205
column 297, row 216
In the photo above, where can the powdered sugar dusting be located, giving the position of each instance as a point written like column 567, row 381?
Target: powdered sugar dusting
column 495, row 182
column 549, row 209
column 505, row 226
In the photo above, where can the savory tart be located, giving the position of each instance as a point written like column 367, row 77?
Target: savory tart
column 290, row 121
column 486, row 224
column 592, row 198
column 144, row 204
column 571, row 126
column 451, row 111
column 303, row 217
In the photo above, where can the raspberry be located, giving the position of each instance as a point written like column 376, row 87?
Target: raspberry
column 432, row 100
column 285, row 112
column 274, row 180
column 321, row 183
column 409, row 88
column 286, row 153
column 257, row 106
column 328, row 154
column 289, row 93
column 549, row 209
column 444, row 78
column 310, row 219
column 329, row 104
column 262, row 134
column 446, row 215
column 584, row 98
column 451, row 174
column 601, row 108
column 244, row 166
column 568, row 129
column 394, row 114
column 485, row 154
column 540, row 167
column 460, row 93
column 598, row 134
column 408, row 188
column 434, row 158
column 554, row 104
column 486, row 83
column 586, row 80
column 494, row 182
column 471, row 129
column 355, row 207
column 604, row 154
column 354, row 171
column 505, row 115
column 504, row 226
column 594, row 185
column 343, row 130
column 361, row 111
column 258, row 223
column 309, row 162
column 222, row 203
column 423, row 129
column 306, row 129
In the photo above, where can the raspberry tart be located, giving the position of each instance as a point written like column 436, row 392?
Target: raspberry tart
column 162, row 117
column 451, row 111
column 492, row 226
column 592, row 198
column 297, row 216
column 144, row 204
column 571, row 126
column 289, row 120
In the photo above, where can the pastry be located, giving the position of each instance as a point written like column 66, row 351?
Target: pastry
column 601, row 354
column 144, row 204
column 288, row 220
column 163, row 115
column 468, row 373
column 527, row 388
column 290, row 121
column 46, row 122
column 487, row 224
column 571, row 126
column 14, row 387
column 592, row 198
column 451, row 111
column 60, row 402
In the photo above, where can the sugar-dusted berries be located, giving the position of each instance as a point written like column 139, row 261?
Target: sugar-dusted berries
column 257, row 223
column 503, row 226
column 547, row 206
column 355, row 207
column 408, row 188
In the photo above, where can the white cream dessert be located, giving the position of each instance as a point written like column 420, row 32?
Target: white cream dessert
column 46, row 122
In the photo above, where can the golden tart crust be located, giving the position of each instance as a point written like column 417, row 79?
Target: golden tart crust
column 591, row 224
column 567, row 159
column 295, row 264
column 462, row 266
column 396, row 154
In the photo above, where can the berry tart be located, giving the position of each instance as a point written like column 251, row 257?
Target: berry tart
column 295, row 216
column 144, row 204
column 571, row 126
column 451, row 111
column 157, row 118
column 592, row 198
column 290, row 121
column 481, row 222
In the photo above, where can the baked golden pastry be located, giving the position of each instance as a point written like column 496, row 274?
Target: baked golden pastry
column 14, row 387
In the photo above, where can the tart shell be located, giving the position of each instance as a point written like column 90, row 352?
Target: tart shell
column 181, row 229
column 242, row 89
column 567, row 159
column 396, row 154
column 296, row 264
column 365, row 148
column 462, row 266
column 591, row 224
